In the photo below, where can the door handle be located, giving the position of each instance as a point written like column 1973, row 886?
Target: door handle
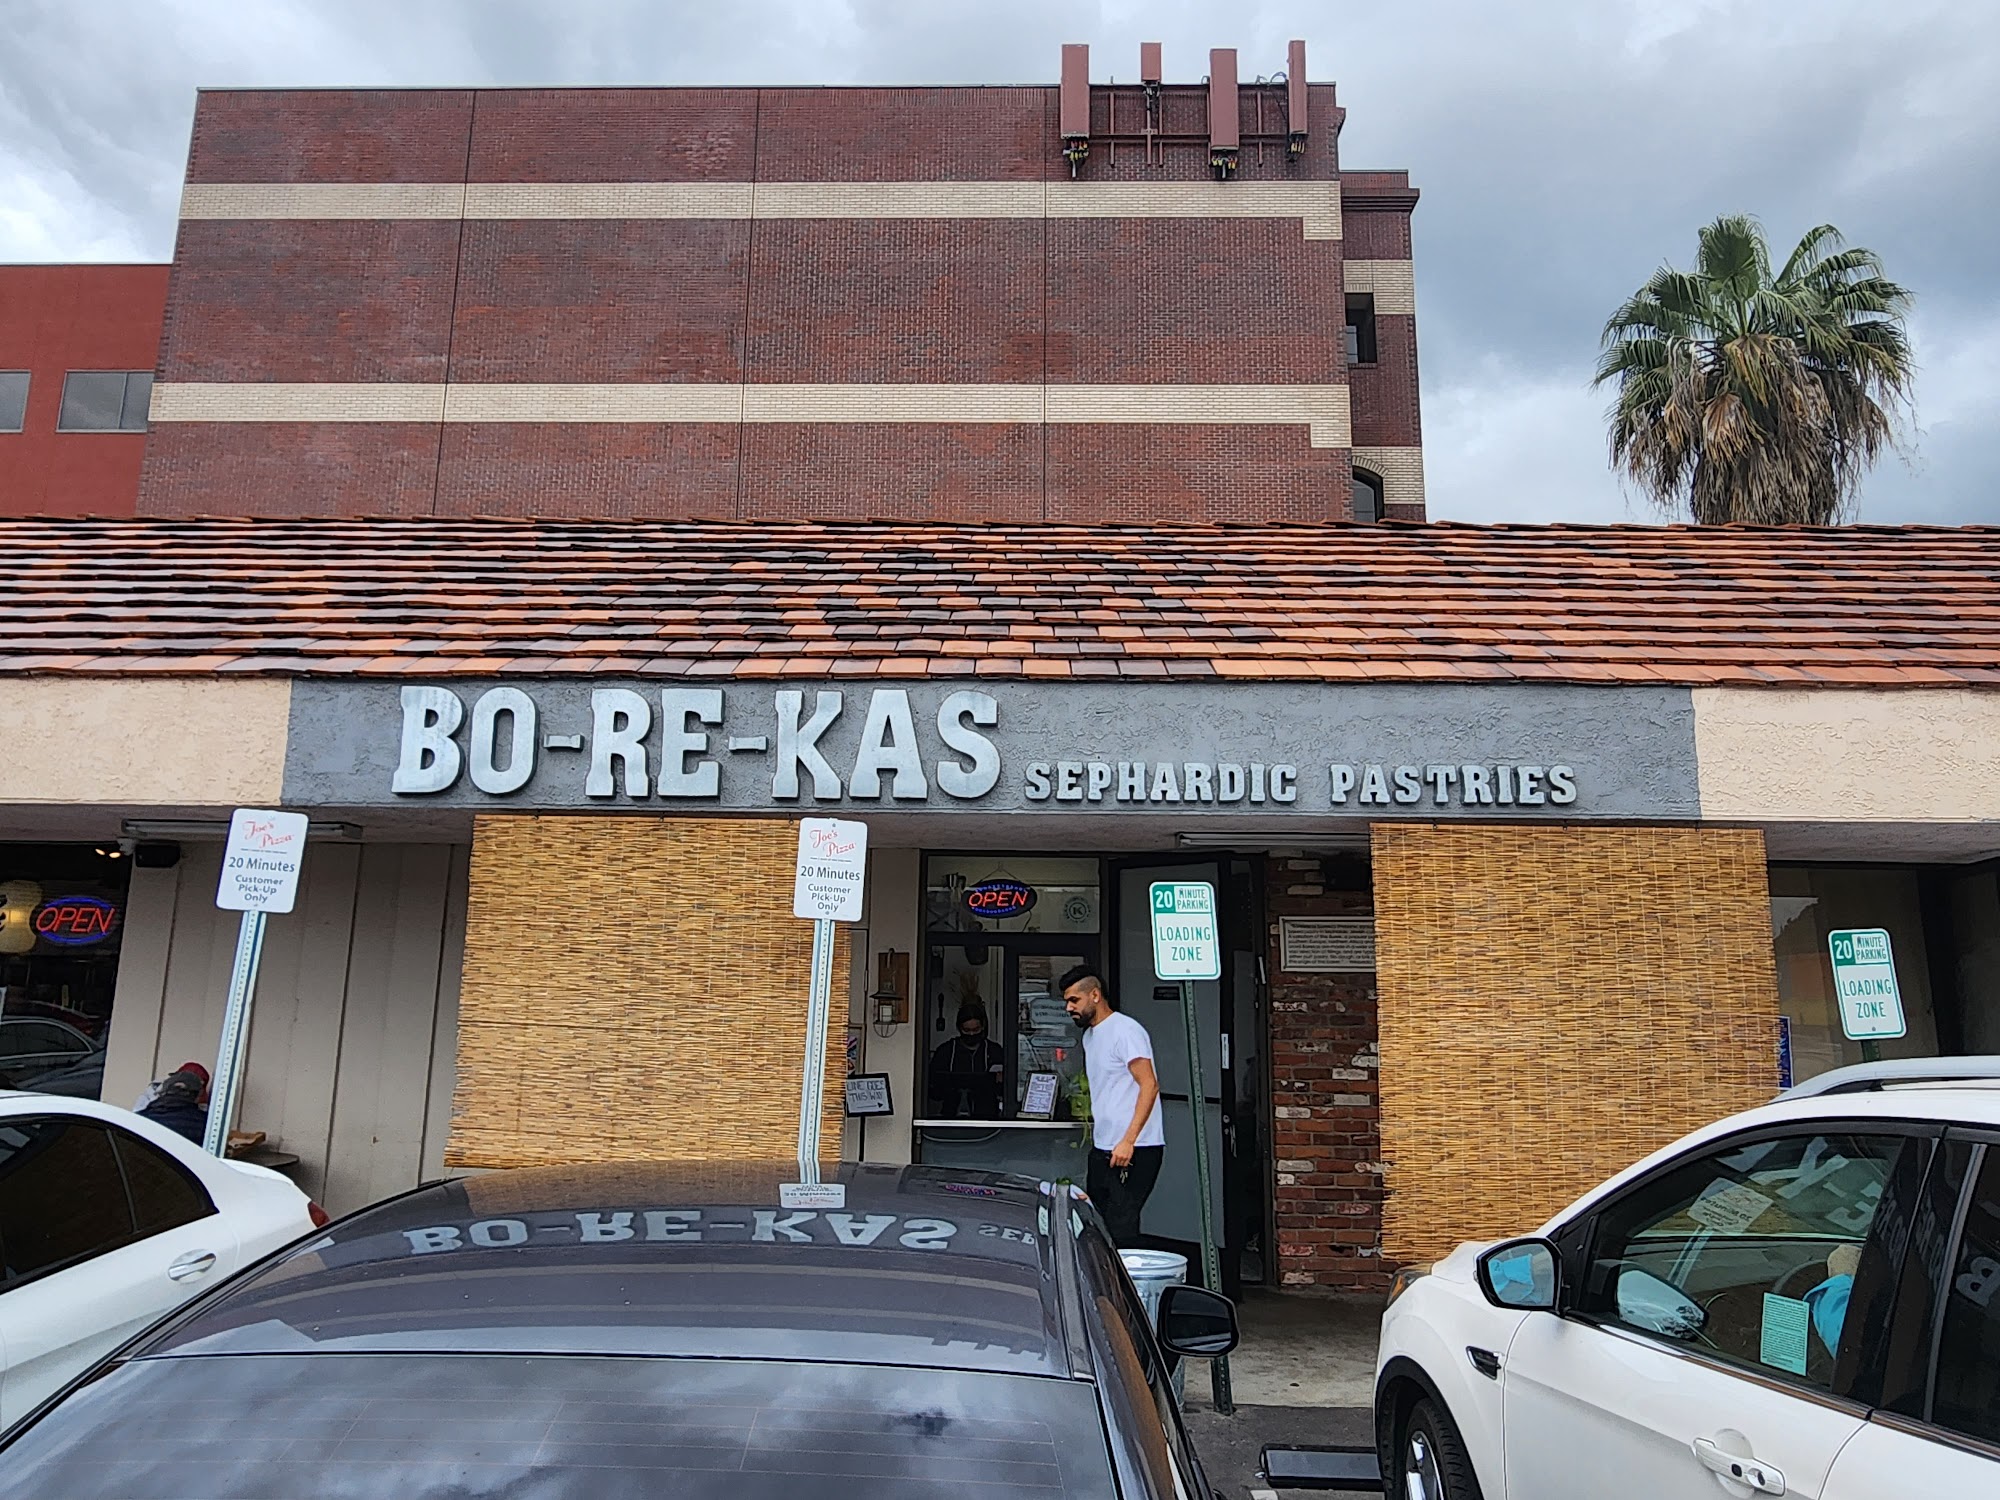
column 1759, row 1475
column 194, row 1263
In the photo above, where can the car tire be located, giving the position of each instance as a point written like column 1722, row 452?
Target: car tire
column 1431, row 1461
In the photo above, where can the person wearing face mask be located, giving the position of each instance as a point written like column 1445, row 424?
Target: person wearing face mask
column 965, row 1070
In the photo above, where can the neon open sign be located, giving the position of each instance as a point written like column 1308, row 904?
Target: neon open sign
column 74, row 921
column 999, row 898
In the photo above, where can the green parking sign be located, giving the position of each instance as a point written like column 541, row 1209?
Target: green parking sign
column 1185, row 944
column 1864, row 983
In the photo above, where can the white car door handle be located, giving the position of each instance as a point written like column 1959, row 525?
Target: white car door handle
column 1759, row 1475
column 194, row 1263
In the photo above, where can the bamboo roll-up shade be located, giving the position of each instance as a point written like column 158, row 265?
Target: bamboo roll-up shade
column 635, row 990
column 1555, row 1003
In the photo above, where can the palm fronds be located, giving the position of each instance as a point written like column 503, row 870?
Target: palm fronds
column 1744, row 395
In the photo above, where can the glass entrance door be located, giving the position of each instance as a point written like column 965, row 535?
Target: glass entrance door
column 1230, row 1025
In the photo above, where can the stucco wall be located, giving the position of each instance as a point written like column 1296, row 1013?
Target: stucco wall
column 1918, row 755
column 172, row 742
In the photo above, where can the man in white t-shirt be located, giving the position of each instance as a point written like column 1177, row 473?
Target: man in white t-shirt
column 1128, row 1137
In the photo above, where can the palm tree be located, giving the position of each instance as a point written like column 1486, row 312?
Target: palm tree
column 1743, row 396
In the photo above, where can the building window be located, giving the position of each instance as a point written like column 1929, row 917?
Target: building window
column 1368, row 504
column 1361, row 328
column 13, row 399
column 105, row 401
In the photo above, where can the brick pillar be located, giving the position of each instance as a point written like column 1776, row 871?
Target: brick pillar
column 1326, row 1127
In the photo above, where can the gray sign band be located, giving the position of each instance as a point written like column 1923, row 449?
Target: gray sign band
column 1562, row 752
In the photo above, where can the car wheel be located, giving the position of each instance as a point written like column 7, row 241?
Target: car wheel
column 1433, row 1463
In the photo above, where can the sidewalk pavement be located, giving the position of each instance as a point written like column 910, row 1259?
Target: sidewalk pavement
column 1231, row 1446
column 1304, row 1374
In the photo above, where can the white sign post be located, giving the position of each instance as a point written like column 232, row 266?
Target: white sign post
column 1864, row 982
column 260, row 874
column 827, row 888
column 1187, row 947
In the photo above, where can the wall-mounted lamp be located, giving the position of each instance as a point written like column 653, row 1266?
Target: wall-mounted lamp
column 890, row 1004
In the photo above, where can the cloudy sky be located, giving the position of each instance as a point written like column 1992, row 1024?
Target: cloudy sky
column 1565, row 148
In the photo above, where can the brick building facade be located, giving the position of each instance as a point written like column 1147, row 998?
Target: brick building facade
column 827, row 303
column 1326, row 1127
column 77, row 350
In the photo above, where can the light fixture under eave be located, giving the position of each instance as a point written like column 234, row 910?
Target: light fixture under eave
column 198, row 830
column 1257, row 840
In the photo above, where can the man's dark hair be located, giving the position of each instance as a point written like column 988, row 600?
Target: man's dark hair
column 1090, row 972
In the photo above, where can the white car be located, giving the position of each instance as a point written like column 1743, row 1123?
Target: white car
column 1803, row 1300
column 108, row 1221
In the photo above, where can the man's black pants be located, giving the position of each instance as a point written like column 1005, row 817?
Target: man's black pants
column 1120, row 1193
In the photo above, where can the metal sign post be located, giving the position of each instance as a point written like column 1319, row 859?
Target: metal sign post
column 1187, row 947
column 812, row 1089
column 260, row 874
column 827, row 887
column 225, row 1089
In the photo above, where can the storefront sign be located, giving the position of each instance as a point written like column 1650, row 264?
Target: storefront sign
column 1326, row 945
column 1864, row 982
column 1185, row 942
column 76, row 921
column 1253, row 751
column 999, row 898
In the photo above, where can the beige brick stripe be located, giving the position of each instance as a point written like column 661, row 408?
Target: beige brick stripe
column 1322, row 409
column 1393, row 283
column 1400, row 469
column 1315, row 204
column 194, row 401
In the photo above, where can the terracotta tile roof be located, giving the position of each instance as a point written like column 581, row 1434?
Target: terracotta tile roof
column 1437, row 602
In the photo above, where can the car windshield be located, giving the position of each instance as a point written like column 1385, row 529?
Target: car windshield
column 313, row 1427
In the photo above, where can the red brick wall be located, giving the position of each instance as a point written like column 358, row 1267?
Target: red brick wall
column 311, row 300
column 1384, row 394
column 1326, row 1127
column 1137, row 301
column 54, row 319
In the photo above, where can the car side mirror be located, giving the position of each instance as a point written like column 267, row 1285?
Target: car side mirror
column 1522, row 1274
column 1196, row 1323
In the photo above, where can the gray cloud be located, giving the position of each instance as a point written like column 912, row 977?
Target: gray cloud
column 1565, row 148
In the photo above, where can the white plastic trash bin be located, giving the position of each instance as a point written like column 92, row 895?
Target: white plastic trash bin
column 1152, row 1272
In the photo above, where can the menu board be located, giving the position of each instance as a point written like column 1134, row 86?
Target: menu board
column 1040, row 1101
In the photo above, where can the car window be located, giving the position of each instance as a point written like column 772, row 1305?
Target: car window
column 61, row 1197
column 318, row 1426
column 165, row 1195
column 37, row 1039
column 1967, row 1387
column 1748, row 1252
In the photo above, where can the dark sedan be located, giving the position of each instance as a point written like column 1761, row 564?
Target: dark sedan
column 658, row 1331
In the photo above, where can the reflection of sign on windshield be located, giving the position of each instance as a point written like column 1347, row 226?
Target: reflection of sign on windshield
column 686, row 1226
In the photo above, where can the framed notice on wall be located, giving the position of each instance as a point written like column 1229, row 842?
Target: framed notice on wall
column 868, row 1094
column 1326, row 945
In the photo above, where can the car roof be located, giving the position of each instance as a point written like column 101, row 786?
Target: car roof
column 921, row 1267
